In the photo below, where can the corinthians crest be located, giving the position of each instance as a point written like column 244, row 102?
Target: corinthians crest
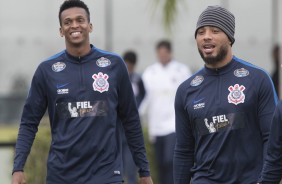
column 236, row 95
column 100, row 83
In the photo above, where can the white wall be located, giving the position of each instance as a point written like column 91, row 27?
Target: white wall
column 28, row 35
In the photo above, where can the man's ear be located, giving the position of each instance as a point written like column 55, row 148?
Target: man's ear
column 61, row 32
column 91, row 27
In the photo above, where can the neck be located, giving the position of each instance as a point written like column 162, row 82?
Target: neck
column 164, row 63
column 78, row 51
column 220, row 63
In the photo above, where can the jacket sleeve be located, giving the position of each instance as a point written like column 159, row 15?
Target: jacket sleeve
column 185, row 143
column 128, row 113
column 273, row 162
column 34, row 108
column 267, row 100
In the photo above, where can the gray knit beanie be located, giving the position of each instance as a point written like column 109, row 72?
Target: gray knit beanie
column 218, row 17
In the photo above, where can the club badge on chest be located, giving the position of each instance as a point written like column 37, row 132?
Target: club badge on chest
column 236, row 95
column 100, row 83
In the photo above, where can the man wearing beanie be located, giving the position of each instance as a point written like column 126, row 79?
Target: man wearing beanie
column 223, row 111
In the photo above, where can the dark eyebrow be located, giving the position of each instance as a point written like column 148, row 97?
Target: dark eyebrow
column 79, row 16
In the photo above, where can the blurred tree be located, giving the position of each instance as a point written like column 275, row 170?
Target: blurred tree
column 169, row 9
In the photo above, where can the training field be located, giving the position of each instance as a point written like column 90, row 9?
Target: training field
column 9, row 134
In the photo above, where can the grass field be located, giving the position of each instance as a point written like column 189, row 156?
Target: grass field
column 8, row 133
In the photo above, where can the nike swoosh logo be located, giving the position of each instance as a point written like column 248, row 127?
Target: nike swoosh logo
column 197, row 101
column 62, row 85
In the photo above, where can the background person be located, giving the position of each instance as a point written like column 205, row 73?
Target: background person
column 130, row 58
column 276, row 62
column 161, row 80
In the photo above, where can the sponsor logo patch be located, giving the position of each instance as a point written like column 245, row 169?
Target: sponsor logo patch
column 103, row 62
column 217, row 123
column 100, row 83
column 236, row 95
column 242, row 72
column 62, row 91
column 199, row 106
column 117, row 173
column 220, row 123
column 65, row 110
column 73, row 109
column 58, row 67
column 197, row 80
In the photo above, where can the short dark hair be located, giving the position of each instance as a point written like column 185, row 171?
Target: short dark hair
column 72, row 4
column 164, row 43
column 130, row 57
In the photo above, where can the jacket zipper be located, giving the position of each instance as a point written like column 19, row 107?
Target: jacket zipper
column 81, row 74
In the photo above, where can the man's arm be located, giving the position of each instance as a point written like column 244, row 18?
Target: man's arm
column 272, row 168
column 185, row 143
column 34, row 109
column 128, row 113
column 267, row 100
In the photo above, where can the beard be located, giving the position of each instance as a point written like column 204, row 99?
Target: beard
column 210, row 60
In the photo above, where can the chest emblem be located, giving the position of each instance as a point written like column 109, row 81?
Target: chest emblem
column 100, row 83
column 103, row 62
column 59, row 66
column 197, row 80
column 236, row 95
column 242, row 72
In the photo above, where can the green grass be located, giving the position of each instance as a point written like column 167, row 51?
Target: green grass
column 150, row 156
column 8, row 133
column 35, row 169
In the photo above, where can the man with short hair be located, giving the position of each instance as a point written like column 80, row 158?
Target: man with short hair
column 223, row 111
column 131, row 59
column 161, row 80
column 85, row 148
